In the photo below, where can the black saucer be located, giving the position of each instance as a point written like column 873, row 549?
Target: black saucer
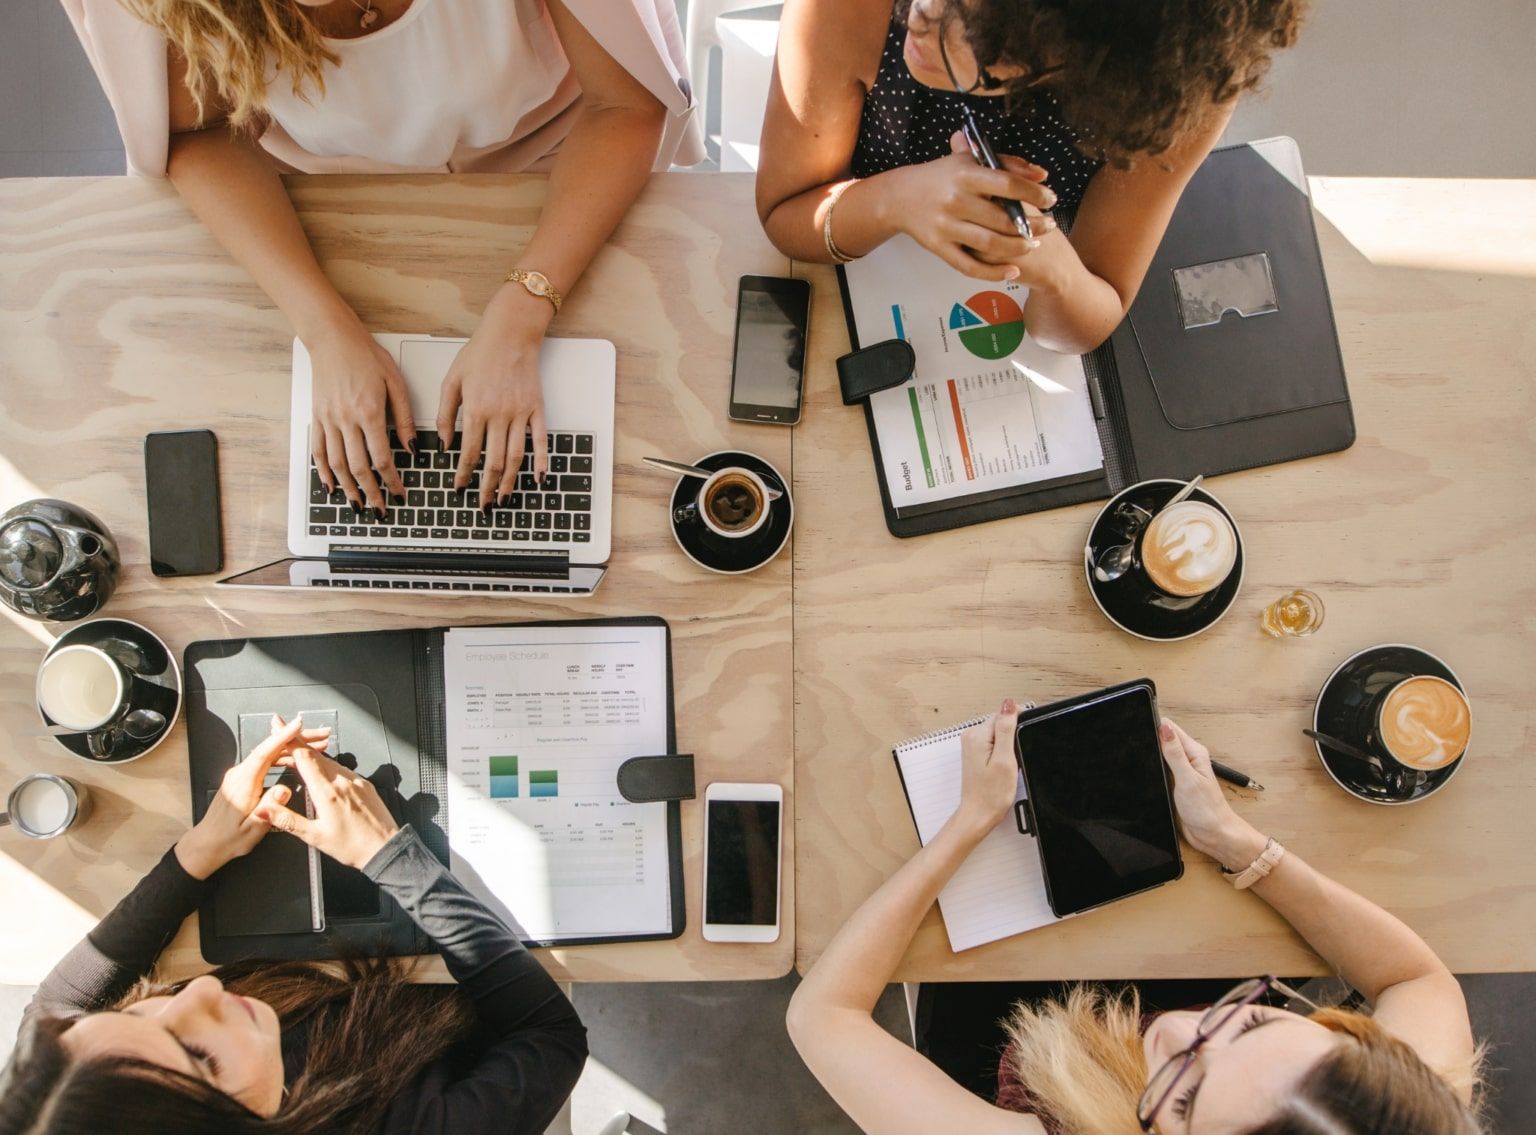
column 1341, row 706
column 722, row 554
column 1131, row 602
column 141, row 650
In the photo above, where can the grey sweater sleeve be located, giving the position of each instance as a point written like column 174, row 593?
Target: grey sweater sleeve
column 124, row 945
column 533, row 1043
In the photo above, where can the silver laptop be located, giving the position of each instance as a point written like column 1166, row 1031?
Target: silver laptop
column 552, row 538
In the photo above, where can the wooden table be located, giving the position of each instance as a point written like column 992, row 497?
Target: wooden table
column 120, row 314
column 1423, row 532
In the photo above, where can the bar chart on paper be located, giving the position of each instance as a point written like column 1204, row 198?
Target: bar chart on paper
column 538, row 722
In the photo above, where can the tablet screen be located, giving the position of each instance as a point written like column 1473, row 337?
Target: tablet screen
column 1102, row 809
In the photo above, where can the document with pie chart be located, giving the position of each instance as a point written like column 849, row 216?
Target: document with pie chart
column 988, row 409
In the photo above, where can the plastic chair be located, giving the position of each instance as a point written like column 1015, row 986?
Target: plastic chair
column 700, row 37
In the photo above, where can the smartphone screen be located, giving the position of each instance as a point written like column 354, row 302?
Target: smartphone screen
column 741, row 887
column 1099, row 796
column 181, row 482
column 768, row 369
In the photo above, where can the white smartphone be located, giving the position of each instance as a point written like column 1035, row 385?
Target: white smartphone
column 742, row 828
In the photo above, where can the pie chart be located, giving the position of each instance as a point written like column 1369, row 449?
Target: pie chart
column 990, row 325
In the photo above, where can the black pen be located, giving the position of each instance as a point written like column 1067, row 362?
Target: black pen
column 1232, row 776
column 981, row 150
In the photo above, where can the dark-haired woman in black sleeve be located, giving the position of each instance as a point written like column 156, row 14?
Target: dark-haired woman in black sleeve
column 295, row 1047
column 1105, row 107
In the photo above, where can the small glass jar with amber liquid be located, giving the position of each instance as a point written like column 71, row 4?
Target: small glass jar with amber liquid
column 1294, row 615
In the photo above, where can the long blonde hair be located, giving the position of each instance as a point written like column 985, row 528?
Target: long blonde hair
column 1082, row 1063
column 234, row 47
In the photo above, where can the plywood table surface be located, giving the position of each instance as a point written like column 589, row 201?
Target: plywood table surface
column 1424, row 532
column 119, row 314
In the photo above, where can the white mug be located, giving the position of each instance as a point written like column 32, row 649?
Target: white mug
column 43, row 805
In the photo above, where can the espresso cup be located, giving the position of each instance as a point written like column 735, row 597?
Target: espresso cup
column 733, row 502
column 43, row 805
column 1187, row 549
column 86, row 690
column 1423, row 723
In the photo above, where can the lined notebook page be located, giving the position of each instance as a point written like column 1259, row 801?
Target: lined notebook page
column 1000, row 888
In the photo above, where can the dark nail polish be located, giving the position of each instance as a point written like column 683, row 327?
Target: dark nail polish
column 486, row 507
column 505, row 498
column 397, row 498
column 357, row 509
column 540, row 479
column 378, row 514
column 414, row 446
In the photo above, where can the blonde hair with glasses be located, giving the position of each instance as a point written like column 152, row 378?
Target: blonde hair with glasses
column 1082, row 1062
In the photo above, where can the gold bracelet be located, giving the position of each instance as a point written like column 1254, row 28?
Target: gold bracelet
column 537, row 284
column 1263, row 864
column 838, row 255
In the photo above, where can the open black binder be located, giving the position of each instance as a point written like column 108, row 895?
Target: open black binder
column 1189, row 383
column 389, row 687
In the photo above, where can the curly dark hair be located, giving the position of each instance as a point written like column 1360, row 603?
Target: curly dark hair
column 1133, row 76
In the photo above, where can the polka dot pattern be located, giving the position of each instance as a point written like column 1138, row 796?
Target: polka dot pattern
column 906, row 122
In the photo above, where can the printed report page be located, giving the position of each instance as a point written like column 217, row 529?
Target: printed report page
column 538, row 720
column 987, row 408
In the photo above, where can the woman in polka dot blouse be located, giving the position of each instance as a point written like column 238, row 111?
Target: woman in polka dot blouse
column 1102, row 107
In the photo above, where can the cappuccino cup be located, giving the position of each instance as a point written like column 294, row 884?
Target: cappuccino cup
column 86, row 690
column 1423, row 723
column 733, row 503
column 43, row 805
column 1188, row 549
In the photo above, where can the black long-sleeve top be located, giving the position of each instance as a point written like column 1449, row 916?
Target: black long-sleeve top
column 534, row 1044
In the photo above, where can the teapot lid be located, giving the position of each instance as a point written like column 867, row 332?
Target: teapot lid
column 31, row 553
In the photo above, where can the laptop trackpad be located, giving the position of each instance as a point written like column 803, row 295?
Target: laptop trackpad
column 425, row 363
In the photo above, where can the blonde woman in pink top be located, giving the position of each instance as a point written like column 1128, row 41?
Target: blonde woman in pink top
column 592, row 90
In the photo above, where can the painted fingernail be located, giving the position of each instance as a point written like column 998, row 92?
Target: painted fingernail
column 357, row 509
column 540, row 478
column 1031, row 244
column 1010, row 706
column 1165, row 731
column 397, row 498
column 414, row 446
column 487, row 506
column 504, row 500
column 378, row 514
column 1050, row 199
column 1011, row 274
column 1046, row 224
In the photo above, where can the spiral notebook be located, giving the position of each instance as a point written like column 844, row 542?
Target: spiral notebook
column 999, row 890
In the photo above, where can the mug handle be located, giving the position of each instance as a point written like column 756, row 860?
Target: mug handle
column 101, row 742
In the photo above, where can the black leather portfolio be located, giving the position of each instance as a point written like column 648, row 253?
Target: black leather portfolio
column 384, row 693
column 1228, row 358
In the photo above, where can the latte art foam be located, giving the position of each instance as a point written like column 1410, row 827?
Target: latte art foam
column 1425, row 722
column 1189, row 549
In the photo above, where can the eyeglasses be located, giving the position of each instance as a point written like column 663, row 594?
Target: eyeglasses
column 1161, row 1087
column 985, row 80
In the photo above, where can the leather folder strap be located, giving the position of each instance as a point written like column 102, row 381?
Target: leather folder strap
column 643, row 780
column 877, row 367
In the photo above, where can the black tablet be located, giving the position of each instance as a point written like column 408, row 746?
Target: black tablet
column 1099, row 797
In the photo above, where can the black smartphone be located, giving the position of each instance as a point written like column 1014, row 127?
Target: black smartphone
column 1098, row 796
column 181, row 483
column 768, row 367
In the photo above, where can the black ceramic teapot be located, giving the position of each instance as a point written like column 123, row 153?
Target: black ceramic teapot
column 57, row 561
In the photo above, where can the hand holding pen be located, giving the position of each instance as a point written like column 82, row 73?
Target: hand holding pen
column 981, row 151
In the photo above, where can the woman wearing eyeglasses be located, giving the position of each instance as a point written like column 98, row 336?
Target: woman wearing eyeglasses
column 1089, row 1063
column 1107, row 108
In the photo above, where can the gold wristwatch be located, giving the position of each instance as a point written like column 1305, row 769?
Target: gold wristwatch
column 537, row 284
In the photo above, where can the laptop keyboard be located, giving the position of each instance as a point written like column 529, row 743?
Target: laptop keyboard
column 558, row 512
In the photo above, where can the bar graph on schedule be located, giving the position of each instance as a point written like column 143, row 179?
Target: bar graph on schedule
column 538, row 722
column 982, row 425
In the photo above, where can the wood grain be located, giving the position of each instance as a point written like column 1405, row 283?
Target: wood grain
column 119, row 314
column 1424, row 532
